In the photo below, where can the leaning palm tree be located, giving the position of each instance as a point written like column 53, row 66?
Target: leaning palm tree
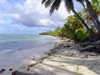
column 92, row 12
column 55, row 4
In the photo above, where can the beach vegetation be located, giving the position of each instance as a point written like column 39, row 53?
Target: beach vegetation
column 82, row 24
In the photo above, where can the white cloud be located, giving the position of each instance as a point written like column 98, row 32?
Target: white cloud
column 34, row 14
column 46, row 22
column 30, row 16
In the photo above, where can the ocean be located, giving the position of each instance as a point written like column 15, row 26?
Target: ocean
column 19, row 49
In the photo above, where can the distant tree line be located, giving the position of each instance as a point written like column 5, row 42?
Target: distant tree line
column 80, row 25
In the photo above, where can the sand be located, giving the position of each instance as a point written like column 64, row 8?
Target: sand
column 64, row 59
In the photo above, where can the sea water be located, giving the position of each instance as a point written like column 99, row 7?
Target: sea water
column 18, row 49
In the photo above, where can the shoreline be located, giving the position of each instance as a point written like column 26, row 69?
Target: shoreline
column 64, row 58
column 77, row 63
column 9, row 69
column 47, row 54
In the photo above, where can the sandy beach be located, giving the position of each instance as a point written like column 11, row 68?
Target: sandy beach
column 19, row 52
column 66, row 60
column 49, row 37
column 63, row 59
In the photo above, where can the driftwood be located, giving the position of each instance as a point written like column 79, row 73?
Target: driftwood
column 22, row 73
column 90, row 47
column 2, row 70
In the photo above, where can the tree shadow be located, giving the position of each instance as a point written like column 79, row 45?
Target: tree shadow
column 53, row 70
column 91, row 64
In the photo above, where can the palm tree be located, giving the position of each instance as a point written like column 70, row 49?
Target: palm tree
column 75, row 22
column 92, row 13
column 55, row 4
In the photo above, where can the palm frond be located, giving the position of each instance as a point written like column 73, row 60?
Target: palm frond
column 58, row 4
column 55, row 5
column 47, row 3
column 69, row 5
column 43, row 1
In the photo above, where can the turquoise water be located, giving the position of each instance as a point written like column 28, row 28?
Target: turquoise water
column 16, row 49
column 7, row 38
column 14, row 41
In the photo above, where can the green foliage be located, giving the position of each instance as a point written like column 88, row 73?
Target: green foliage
column 96, row 6
column 94, row 29
column 56, row 32
column 73, row 29
column 70, row 31
column 82, row 34
column 76, row 33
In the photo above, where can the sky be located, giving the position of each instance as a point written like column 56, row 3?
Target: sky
column 31, row 17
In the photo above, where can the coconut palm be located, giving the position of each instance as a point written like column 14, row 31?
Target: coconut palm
column 55, row 4
column 92, row 12
column 75, row 22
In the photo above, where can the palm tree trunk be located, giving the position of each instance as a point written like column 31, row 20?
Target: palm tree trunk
column 93, row 15
column 86, row 26
column 83, row 5
column 96, row 25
